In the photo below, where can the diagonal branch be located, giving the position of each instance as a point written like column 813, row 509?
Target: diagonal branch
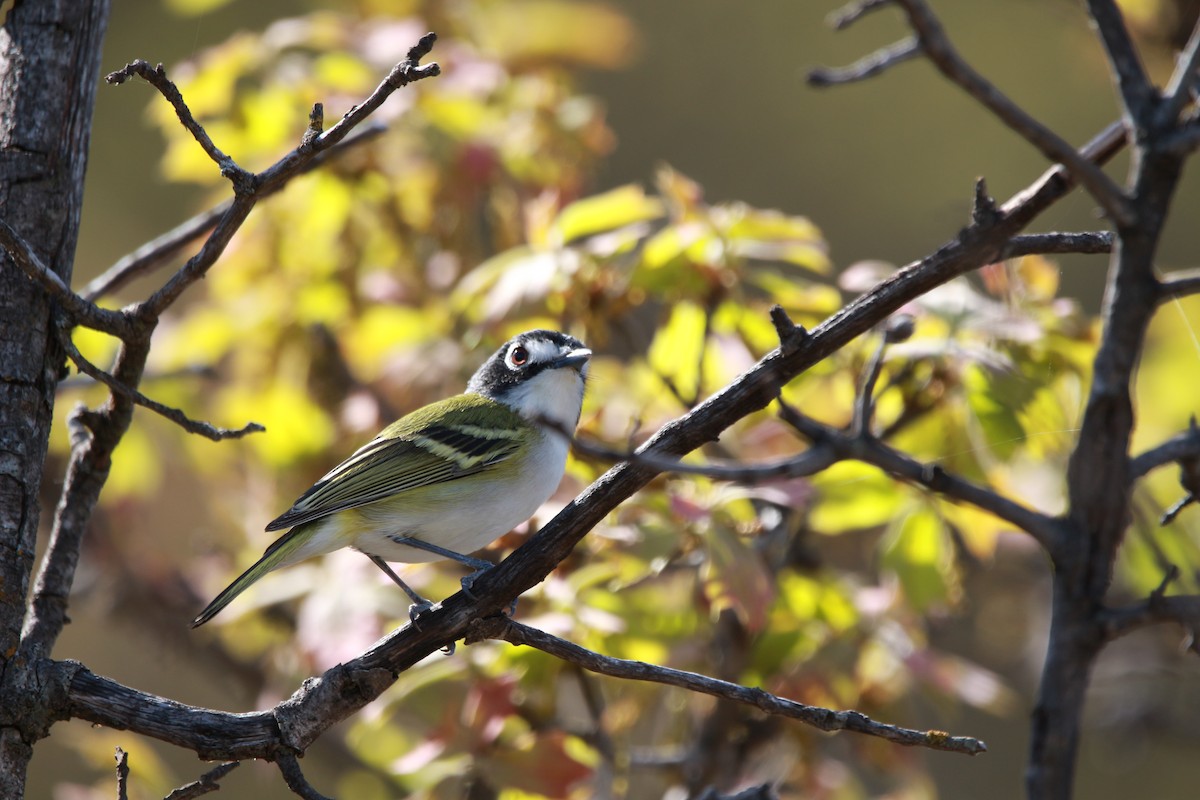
column 1179, row 284
column 157, row 77
column 81, row 310
column 205, row 783
column 1136, row 90
column 1183, row 81
column 1181, row 447
column 157, row 252
column 502, row 627
column 284, row 170
column 322, row 702
column 942, row 53
column 869, row 450
column 868, row 66
column 1181, row 609
column 190, row 425
column 289, row 767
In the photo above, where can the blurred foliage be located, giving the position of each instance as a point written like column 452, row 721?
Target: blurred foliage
column 376, row 284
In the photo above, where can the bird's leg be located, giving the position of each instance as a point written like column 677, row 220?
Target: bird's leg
column 420, row 604
column 478, row 564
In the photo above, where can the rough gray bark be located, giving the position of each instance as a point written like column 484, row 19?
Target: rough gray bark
column 49, row 69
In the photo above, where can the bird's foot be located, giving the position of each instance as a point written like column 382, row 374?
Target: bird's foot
column 469, row 581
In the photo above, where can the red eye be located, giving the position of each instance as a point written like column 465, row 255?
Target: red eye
column 518, row 356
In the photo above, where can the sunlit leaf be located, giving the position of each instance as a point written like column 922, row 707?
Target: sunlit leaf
column 853, row 496
column 615, row 208
column 919, row 552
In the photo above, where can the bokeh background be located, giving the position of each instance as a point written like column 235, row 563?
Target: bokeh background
column 717, row 90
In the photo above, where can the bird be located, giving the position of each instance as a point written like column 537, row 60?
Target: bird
column 446, row 479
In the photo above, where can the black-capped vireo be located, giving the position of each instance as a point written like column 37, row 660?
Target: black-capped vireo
column 447, row 479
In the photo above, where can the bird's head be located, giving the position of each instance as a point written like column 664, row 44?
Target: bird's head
column 539, row 374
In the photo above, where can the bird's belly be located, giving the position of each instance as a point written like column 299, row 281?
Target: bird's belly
column 462, row 518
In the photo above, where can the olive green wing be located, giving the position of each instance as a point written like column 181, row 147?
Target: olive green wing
column 451, row 439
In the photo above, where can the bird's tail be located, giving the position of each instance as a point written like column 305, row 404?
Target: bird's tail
column 276, row 555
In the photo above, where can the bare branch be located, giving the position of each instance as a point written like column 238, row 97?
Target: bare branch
column 122, row 774
column 1182, row 447
column 322, row 702
column 502, row 627
column 1185, row 139
column 791, row 336
column 1043, row 528
column 1183, row 81
column 1181, row 609
column 159, row 251
column 1088, row 243
column 289, row 766
column 1179, row 284
column 847, row 15
column 1136, row 90
column 284, row 170
column 866, row 67
column 175, row 415
column 80, row 310
column 205, row 783
column 242, row 180
column 941, row 52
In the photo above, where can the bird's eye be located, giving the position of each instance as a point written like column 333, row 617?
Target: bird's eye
column 518, row 356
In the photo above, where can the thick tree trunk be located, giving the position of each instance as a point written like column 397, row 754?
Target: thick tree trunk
column 49, row 70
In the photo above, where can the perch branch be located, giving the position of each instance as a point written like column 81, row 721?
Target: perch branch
column 1180, row 447
column 323, row 701
column 509, row 630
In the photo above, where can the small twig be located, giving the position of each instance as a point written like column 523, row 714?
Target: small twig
column 1184, row 140
column 1044, row 529
column 1179, row 284
column 175, row 415
column 289, row 767
column 242, row 180
column 1183, row 81
column 847, row 15
column 933, row 41
column 159, row 251
column 1174, row 511
column 1136, row 90
column 1088, row 243
column 204, row 784
column 1178, row 448
column 983, row 210
column 868, row 66
column 501, row 627
column 122, row 774
column 81, row 311
column 809, row 462
column 1156, row 609
column 791, row 335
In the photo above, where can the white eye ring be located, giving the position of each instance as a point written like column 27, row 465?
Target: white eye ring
column 518, row 357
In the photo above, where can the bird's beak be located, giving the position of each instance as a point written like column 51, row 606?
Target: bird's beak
column 575, row 358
